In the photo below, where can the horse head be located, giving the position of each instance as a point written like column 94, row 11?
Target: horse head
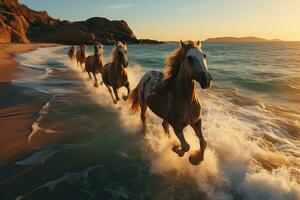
column 98, row 49
column 122, row 53
column 83, row 48
column 195, row 62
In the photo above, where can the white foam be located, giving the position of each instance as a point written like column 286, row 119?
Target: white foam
column 36, row 124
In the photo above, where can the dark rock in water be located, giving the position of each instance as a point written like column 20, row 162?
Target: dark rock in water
column 18, row 23
column 148, row 41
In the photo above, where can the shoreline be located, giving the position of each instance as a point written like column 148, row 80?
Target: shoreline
column 19, row 106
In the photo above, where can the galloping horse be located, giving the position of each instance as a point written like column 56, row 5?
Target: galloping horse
column 171, row 95
column 72, row 54
column 94, row 63
column 115, row 74
column 81, row 55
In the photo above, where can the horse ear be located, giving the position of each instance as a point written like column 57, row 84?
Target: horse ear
column 182, row 44
column 198, row 44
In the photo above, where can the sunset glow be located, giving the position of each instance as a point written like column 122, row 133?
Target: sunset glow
column 191, row 19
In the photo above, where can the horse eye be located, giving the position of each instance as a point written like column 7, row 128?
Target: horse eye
column 204, row 55
column 191, row 60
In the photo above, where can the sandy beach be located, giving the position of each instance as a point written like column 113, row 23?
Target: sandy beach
column 19, row 106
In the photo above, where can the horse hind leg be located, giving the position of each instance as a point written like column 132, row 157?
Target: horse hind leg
column 184, row 146
column 111, row 94
column 198, row 156
column 165, row 125
column 128, row 92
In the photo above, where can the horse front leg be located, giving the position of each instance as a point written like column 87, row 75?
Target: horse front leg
column 110, row 92
column 128, row 92
column 116, row 94
column 197, row 157
column 89, row 73
column 96, row 80
column 184, row 146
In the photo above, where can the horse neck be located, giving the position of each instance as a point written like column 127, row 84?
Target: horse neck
column 117, row 65
column 98, row 59
column 185, row 87
column 83, row 53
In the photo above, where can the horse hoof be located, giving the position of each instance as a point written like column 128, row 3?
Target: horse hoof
column 96, row 85
column 115, row 102
column 196, row 159
column 178, row 151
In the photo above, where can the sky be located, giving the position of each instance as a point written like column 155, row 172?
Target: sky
column 187, row 19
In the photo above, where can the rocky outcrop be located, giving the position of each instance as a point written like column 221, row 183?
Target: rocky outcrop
column 19, row 24
column 16, row 19
column 96, row 28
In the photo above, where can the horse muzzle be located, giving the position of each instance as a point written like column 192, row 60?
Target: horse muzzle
column 125, row 64
column 204, row 80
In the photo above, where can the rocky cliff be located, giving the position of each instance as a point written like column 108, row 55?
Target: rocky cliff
column 20, row 24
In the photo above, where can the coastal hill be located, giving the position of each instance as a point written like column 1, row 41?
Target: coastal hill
column 239, row 39
column 20, row 24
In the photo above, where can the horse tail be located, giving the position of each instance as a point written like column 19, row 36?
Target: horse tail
column 134, row 100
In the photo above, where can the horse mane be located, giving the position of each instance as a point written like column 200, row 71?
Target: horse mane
column 173, row 63
column 114, row 55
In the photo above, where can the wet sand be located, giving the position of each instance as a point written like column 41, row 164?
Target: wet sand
column 19, row 106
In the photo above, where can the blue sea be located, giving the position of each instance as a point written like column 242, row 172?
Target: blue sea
column 85, row 147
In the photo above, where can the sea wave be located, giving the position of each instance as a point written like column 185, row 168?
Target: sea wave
column 35, row 127
column 235, row 158
column 253, row 146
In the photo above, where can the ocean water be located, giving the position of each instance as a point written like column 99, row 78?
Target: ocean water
column 93, row 149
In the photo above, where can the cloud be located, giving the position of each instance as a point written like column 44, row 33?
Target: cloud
column 120, row 6
column 186, row 9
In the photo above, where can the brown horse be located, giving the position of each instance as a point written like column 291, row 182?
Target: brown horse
column 72, row 54
column 94, row 63
column 171, row 95
column 81, row 55
column 115, row 74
